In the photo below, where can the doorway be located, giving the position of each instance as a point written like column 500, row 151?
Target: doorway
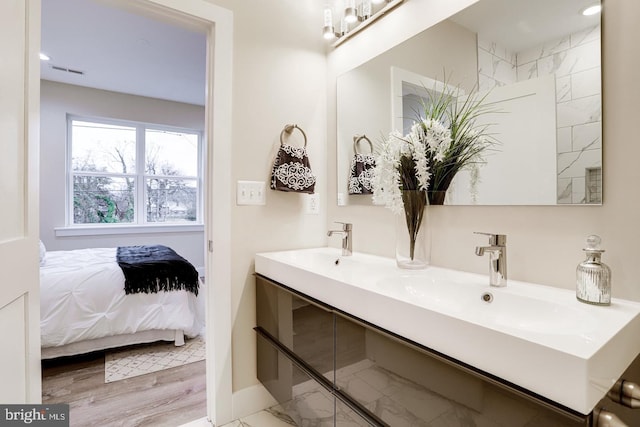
column 215, row 22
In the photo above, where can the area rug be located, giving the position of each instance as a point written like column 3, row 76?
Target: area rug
column 152, row 358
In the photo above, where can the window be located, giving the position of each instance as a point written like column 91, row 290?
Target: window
column 133, row 173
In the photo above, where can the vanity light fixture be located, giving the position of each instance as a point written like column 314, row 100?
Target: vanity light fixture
column 592, row 10
column 350, row 13
column 356, row 15
column 328, row 32
column 365, row 10
column 344, row 27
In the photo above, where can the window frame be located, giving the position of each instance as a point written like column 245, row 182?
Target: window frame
column 140, row 177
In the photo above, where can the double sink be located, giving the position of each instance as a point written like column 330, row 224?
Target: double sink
column 536, row 337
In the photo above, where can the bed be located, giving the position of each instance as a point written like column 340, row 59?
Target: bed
column 84, row 306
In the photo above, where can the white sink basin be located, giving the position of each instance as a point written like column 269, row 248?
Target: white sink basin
column 502, row 309
column 538, row 337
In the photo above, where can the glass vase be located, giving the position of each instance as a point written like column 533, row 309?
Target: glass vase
column 413, row 236
column 437, row 197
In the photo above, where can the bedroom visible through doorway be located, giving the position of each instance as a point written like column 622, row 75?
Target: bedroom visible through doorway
column 106, row 64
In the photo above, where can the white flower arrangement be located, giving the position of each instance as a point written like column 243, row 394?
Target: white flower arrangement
column 403, row 162
column 440, row 144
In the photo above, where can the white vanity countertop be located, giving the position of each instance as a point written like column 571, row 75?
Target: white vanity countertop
column 538, row 337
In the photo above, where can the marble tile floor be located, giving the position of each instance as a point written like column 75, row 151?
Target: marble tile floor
column 265, row 418
column 260, row 419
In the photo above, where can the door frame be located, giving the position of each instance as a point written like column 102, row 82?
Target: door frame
column 217, row 23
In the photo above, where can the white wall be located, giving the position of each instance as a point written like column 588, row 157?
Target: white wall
column 57, row 100
column 279, row 77
column 544, row 242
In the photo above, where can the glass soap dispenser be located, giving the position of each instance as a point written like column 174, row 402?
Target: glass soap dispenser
column 593, row 277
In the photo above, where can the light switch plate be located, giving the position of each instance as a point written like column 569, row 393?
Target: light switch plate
column 312, row 204
column 250, row 193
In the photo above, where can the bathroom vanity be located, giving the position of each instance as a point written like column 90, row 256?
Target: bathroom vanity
column 356, row 341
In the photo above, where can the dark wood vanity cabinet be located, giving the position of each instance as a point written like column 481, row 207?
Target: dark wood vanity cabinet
column 325, row 367
column 296, row 358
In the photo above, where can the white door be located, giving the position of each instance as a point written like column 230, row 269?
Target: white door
column 19, row 272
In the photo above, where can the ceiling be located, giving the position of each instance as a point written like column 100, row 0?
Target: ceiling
column 521, row 24
column 121, row 51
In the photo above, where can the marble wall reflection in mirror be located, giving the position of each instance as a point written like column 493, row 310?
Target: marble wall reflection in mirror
column 539, row 61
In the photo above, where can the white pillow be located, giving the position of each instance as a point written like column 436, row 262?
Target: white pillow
column 43, row 253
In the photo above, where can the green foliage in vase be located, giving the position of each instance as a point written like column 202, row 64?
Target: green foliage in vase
column 469, row 140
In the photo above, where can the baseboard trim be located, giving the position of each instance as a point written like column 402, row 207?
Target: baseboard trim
column 251, row 400
column 201, row 422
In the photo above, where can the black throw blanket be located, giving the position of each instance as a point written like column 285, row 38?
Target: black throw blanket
column 151, row 269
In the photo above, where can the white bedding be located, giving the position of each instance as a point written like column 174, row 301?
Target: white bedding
column 82, row 297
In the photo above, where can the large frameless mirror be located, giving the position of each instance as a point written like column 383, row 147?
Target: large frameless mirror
column 537, row 61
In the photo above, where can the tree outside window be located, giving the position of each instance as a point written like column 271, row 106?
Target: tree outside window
column 133, row 173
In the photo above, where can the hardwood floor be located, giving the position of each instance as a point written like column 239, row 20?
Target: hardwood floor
column 169, row 398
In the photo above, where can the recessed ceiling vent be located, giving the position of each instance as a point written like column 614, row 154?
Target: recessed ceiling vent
column 67, row 70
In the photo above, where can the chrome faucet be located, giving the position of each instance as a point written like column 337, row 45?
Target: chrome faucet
column 497, row 251
column 347, row 244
